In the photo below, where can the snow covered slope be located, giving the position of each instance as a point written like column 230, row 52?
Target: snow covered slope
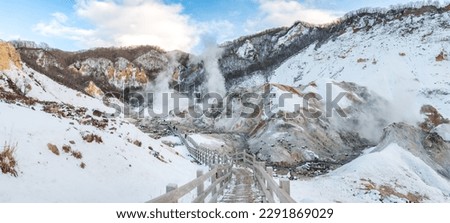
column 404, row 60
column 67, row 150
column 115, row 170
column 389, row 175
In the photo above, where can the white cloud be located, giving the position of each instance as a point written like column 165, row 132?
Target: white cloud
column 58, row 27
column 275, row 13
column 60, row 17
column 126, row 23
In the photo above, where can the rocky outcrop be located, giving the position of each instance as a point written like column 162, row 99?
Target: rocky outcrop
column 110, row 69
column 119, row 73
column 91, row 75
column 93, row 90
column 8, row 57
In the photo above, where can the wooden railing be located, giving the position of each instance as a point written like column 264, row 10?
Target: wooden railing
column 264, row 177
column 207, row 156
column 199, row 153
column 219, row 175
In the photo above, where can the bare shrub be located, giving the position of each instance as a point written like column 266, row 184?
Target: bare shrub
column 77, row 154
column 92, row 137
column 387, row 191
column 8, row 162
column 137, row 143
column 362, row 60
column 66, row 149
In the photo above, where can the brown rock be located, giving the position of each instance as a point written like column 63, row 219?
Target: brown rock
column 53, row 148
column 8, row 54
column 93, row 90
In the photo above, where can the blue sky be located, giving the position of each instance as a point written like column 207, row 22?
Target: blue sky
column 171, row 24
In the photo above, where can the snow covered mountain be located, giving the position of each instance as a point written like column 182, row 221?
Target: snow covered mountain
column 386, row 139
column 392, row 66
column 399, row 57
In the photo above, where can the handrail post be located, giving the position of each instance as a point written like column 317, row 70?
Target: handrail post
column 223, row 172
column 269, row 170
column 265, row 184
column 198, row 155
column 201, row 187
column 213, row 180
column 210, row 158
column 205, row 159
column 171, row 187
column 285, row 185
column 203, row 155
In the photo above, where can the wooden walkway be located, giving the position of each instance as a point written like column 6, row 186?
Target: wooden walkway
column 233, row 178
column 242, row 188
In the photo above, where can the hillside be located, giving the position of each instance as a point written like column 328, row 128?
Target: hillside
column 66, row 149
column 391, row 175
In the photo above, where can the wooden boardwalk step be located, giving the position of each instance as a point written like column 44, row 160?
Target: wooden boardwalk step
column 242, row 188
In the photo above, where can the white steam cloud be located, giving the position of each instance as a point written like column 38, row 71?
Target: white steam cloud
column 370, row 118
column 215, row 82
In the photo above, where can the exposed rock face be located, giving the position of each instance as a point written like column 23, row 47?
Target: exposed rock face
column 8, row 56
column 247, row 51
column 110, row 69
column 119, row 74
column 433, row 118
column 93, row 90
